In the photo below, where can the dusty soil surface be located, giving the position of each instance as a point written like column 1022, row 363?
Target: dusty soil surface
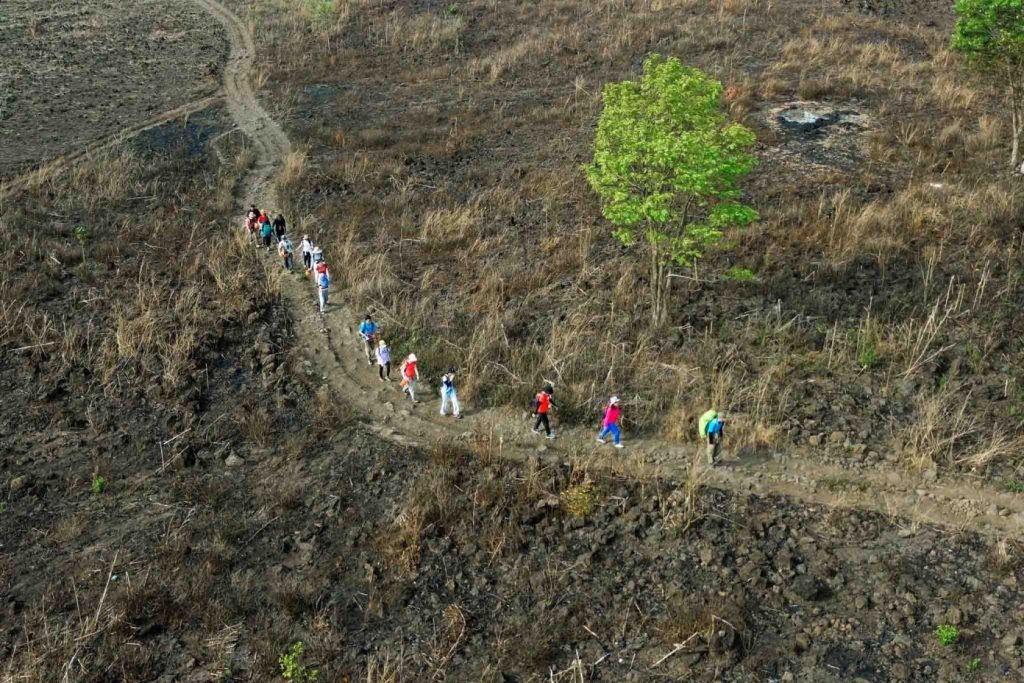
column 75, row 73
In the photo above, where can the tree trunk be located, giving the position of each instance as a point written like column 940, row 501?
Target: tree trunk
column 659, row 289
column 1015, row 118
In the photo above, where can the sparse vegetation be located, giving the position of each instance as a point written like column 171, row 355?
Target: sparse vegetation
column 579, row 500
column 98, row 485
column 293, row 669
column 947, row 635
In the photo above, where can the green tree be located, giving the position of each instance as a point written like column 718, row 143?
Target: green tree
column 666, row 165
column 990, row 34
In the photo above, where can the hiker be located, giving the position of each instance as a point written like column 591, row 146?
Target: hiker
column 306, row 248
column 286, row 251
column 323, row 283
column 410, row 375
column 611, row 423
column 368, row 331
column 383, row 361
column 320, row 267
column 448, row 394
column 542, row 405
column 253, row 213
column 711, row 429
column 279, row 226
column 266, row 232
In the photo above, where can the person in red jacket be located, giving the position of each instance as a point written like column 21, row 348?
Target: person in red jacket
column 611, row 422
column 542, row 405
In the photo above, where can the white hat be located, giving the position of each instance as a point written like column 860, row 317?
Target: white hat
column 412, row 357
column 613, row 400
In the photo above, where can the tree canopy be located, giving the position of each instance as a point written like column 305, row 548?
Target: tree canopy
column 667, row 160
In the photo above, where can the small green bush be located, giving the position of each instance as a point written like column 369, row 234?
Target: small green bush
column 99, row 484
column 974, row 664
column 947, row 635
column 739, row 274
column 1014, row 486
column 579, row 501
column 292, row 667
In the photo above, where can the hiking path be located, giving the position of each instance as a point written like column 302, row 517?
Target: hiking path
column 334, row 354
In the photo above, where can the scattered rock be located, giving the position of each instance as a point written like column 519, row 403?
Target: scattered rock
column 233, row 461
column 20, row 483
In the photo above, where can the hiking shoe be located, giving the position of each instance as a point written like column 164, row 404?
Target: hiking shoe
column 551, row 435
column 619, row 445
column 459, row 416
column 535, row 431
column 600, row 440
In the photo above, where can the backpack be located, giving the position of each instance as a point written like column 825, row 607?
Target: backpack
column 323, row 281
column 535, row 404
column 702, row 425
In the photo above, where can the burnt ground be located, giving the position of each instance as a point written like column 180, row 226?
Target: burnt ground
column 75, row 73
column 183, row 501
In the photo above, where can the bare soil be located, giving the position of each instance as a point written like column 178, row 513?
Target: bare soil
column 78, row 72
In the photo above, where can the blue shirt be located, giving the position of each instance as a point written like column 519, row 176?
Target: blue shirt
column 368, row 329
column 715, row 426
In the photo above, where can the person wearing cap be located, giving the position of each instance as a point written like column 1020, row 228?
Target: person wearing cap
column 368, row 332
column 611, row 422
column 383, row 354
column 323, row 284
column 286, row 251
column 448, row 394
column 542, row 405
column 306, row 249
column 410, row 375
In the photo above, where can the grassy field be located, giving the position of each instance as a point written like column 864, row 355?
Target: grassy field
column 876, row 299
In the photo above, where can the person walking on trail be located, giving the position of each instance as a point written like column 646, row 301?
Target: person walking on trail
column 320, row 268
column 279, row 226
column 448, row 394
column 410, row 375
column 542, row 405
column 306, row 248
column 711, row 429
column 266, row 233
column 317, row 256
column 383, row 354
column 323, row 284
column 286, row 251
column 611, row 423
column 368, row 333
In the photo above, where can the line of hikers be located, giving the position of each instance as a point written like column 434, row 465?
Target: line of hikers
column 711, row 425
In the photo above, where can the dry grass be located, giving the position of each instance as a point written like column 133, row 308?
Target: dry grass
column 476, row 239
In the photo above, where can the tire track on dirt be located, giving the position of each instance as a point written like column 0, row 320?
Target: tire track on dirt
column 342, row 366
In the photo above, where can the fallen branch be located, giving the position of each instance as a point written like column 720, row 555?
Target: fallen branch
column 677, row 648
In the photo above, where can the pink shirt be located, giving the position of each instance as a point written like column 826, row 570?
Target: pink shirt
column 611, row 416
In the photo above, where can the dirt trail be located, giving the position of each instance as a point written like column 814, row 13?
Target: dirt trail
column 331, row 347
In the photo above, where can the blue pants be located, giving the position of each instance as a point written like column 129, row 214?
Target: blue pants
column 612, row 429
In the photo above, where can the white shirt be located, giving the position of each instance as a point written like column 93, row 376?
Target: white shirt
column 306, row 247
column 383, row 355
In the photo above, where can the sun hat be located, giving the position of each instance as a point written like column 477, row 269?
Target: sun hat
column 613, row 400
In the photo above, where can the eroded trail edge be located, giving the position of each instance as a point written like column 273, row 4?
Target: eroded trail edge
column 330, row 346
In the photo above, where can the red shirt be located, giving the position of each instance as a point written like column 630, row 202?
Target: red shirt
column 543, row 402
column 410, row 369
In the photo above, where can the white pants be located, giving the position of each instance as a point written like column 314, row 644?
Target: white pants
column 410, row 388
column 323, row 300
column 449, row 398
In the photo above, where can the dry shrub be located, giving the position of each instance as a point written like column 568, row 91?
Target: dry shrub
column 945, row 430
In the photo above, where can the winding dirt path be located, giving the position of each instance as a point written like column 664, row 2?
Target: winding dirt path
column 329, row 344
